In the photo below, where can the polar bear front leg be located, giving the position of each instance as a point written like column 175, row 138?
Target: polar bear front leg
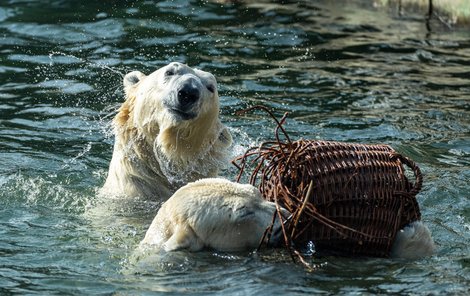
column 183, row 237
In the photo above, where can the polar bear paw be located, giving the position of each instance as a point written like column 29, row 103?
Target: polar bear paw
column 412, row 242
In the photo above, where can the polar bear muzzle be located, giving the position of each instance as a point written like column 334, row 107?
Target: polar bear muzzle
column 187, row 97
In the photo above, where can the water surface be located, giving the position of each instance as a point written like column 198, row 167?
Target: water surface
column 344, row 71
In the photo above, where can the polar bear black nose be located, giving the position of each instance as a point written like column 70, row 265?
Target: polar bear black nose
column 188, row 95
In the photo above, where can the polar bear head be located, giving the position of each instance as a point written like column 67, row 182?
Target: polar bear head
column 168, row 128
column 175, row 93
column 177, row 103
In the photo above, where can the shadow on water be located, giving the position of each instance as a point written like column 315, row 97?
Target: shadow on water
column 344, row 70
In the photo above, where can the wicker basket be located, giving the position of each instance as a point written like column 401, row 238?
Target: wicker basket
column 347, row 198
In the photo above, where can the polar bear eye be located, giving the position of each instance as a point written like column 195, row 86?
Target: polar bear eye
column 211, row 88
column 169, row 73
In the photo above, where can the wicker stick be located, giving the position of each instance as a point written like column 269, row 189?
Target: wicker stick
column 301, row 210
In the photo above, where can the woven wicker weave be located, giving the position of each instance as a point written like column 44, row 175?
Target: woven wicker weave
column 359, row 196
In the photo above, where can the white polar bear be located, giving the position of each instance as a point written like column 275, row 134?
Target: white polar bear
column 227, row 216
column 213, row 213
column 168, row 133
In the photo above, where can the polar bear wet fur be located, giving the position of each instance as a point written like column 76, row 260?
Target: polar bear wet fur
column 213, row 213
column 227, row 216
column 167, row 133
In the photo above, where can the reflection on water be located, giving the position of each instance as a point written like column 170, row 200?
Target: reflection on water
column 344, row 71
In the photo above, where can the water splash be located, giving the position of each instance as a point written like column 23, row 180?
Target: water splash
column 51, row 191
column 115, row 70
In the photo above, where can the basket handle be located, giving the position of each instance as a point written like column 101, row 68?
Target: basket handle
column 417, row 172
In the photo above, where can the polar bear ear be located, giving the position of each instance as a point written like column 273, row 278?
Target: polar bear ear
column 132, row 79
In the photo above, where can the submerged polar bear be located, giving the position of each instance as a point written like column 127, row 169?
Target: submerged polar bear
column 213, row 213
column 227, row 216
column 168, row 133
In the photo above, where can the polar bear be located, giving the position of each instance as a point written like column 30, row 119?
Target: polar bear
column 167, row 133
column 413, row 241
column 227, row 216
column 213, row 213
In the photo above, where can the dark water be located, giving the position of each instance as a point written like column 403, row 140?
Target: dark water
column 345, row 72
